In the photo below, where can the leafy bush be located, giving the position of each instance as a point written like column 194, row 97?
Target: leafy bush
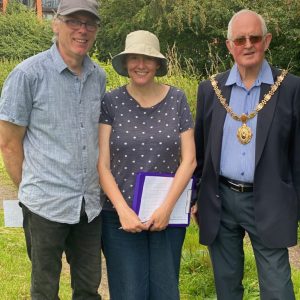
column 22, row 34
column 6, row 65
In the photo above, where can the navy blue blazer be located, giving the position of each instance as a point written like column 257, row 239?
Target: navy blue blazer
column 277, row 161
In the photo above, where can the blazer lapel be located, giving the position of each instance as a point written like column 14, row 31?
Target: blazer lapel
column 217, row 123
column 264, row 118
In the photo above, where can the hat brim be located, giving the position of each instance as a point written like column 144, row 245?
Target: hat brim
column 74, row 10
column 119, row 61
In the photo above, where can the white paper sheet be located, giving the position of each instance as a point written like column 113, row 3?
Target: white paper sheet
column 13, row 216
column 154, row 192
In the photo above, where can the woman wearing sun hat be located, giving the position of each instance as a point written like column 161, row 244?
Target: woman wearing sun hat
column 144, row 126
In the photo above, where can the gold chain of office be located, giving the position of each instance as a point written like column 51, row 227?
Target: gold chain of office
column 244, row 132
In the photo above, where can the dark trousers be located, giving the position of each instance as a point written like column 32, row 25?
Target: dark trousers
column 141, row 266
column 227, row 253
column 46, row 241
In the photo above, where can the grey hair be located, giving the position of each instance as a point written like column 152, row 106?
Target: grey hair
column 262, row 21
column 54, row 37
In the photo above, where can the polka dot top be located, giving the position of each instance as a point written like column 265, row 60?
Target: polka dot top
column 143, row 139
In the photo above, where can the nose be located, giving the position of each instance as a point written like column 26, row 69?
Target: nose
column 248, row 43
column 83, row 27
column 141, row 62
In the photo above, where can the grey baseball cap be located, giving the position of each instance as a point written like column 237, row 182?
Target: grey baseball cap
column 67, row 7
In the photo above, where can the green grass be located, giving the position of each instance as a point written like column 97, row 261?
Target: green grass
column 4, row 178
column 196, row 278
column 15, row 266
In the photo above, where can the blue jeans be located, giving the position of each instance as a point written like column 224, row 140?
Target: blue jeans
column 46, row 241
column 141, row 266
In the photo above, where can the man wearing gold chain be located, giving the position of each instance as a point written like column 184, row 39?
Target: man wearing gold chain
column 248, row 152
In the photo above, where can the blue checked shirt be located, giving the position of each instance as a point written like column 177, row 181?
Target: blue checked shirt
column 61, row 112
column 237, row 160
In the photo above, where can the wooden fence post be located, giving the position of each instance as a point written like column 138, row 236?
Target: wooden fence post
column 4, row 5
column 39, row 9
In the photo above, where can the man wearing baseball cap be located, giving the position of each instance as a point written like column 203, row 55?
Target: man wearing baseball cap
column 49, row 112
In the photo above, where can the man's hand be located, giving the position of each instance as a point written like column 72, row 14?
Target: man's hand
column 194, row 212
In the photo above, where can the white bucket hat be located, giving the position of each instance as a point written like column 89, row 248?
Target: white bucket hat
column 144, row 43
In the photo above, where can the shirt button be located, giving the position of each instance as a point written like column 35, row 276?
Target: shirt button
column 243, row 173
column 81, row 125
column 84, row 147
column 244, row 153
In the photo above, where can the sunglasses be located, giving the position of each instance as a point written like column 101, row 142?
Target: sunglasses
column 241, row 41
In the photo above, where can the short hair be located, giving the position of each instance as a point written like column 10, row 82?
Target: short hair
column 262, row 21
column 54, row 37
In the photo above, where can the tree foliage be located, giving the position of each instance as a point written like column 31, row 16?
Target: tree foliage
column 22, row 34
column 198, row 28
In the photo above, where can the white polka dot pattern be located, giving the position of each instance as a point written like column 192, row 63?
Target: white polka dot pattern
column 143, row 139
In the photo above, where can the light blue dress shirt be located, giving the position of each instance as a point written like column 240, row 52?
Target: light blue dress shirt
column 237, row 160
column 61, row 112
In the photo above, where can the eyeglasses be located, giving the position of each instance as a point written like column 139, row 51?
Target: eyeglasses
column 241, row 41
column 76, row 24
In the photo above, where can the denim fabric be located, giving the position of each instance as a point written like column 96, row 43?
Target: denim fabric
column 46, row 241
column 227, row 253
column 141, row 266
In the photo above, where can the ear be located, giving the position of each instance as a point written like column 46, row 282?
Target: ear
column 229, row 45
column 268, row 39
column 54, row 25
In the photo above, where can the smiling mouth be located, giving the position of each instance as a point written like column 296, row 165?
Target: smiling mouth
column 80, row 41
column 141, row 73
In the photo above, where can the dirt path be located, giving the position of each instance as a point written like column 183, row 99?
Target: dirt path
column 7, row 193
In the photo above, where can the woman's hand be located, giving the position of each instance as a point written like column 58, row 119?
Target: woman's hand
column 130, row 221
column 159, row 219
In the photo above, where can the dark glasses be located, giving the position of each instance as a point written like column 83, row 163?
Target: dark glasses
column 241, row 41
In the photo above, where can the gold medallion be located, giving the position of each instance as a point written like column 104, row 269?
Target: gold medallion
column 244, row 134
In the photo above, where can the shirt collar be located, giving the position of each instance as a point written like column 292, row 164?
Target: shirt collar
column 265, row 76
column 60, row 65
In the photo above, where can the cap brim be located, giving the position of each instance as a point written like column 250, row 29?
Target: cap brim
column 74, row 10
